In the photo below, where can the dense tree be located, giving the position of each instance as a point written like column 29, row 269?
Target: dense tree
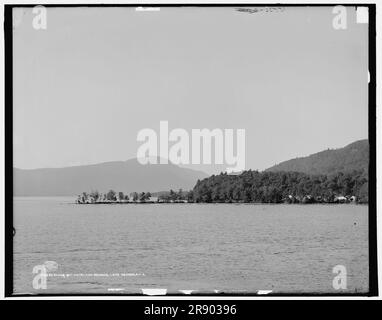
column 142, row 196
column 95, row 195
column 275, row 187
column 134, row 196
column 172, row 195
column 111, row 195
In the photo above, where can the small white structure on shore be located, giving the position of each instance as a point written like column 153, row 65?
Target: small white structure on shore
column 340, row 199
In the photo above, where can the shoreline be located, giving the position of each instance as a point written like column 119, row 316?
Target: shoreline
column 229, row 203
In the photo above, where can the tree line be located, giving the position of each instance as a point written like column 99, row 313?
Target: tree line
column 112, row 196
column 277, row 187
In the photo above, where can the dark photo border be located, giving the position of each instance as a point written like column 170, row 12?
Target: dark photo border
column 8, row 109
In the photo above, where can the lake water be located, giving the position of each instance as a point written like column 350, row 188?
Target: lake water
column 233, row 248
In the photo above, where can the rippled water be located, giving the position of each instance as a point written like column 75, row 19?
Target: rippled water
column 206, row 247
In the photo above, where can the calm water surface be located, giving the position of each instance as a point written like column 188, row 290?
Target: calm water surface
column 206, row 247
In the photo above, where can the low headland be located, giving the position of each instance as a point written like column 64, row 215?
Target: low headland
column 252, row 187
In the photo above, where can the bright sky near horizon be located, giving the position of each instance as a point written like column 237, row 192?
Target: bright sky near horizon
column 85, row 86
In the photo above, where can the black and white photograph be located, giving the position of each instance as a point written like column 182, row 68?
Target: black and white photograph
column 190, row 150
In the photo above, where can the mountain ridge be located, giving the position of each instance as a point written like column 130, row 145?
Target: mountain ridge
column 354, row 156
column 126, row 176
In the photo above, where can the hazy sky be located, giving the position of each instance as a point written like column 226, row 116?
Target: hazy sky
column 86, row 85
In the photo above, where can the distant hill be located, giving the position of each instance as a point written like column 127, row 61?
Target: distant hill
column 125, row 176
column 354, row 156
